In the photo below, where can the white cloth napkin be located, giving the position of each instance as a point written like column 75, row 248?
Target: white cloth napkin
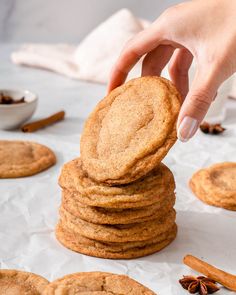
column 93, row 58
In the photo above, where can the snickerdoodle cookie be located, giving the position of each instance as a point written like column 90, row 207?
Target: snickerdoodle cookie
column 124, row 250
column 216, row 185
column 130, row 131
column 89, row 283
column 146, row 191
column 101, row 215
column 119, row 232
column 15, row 282
column 24, row 158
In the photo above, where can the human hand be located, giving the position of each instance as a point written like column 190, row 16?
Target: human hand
column 201, row 30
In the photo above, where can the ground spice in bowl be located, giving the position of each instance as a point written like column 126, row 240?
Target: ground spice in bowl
column 6, row 99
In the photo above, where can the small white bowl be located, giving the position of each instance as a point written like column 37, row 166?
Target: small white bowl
column 13, row 116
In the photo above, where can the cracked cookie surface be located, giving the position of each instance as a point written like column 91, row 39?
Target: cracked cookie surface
column 14, row 282
column 96, row 283
column 24, row 158
column 130, row 131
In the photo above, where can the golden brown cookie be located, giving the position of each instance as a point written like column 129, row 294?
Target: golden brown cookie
column 95, row 283
column 130, row 131
column 127, row 250
column 15, row 282
column 24, row 158
column 115, row 247
column 118, row 233
column 152, row 189
column 101, row 215
column 216, row 185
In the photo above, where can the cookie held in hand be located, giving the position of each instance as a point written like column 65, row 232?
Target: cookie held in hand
column 130, row 131
column 216, row 185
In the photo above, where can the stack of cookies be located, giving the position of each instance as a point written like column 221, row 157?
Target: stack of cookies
column 118, row 198
column 118, row 221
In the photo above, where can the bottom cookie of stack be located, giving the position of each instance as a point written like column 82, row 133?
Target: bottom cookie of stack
column 113, row 250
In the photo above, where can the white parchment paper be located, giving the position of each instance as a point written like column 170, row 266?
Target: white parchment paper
column 29, row 206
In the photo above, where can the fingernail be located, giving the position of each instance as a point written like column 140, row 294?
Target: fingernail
column 187, row 128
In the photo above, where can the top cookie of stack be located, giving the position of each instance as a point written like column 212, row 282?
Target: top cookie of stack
column 130, row 131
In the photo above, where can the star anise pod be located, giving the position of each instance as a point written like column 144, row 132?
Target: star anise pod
column 211, row 128
column 202, row 285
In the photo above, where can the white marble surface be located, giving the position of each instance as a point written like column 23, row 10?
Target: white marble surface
column 65, row 20
column 28, row 206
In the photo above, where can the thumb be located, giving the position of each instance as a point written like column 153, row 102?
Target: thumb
column 196, row 104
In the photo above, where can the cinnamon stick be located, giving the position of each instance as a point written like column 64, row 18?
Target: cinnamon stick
column 36, row 125
column 225, row 279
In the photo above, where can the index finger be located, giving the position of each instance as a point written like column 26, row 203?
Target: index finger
column 141, row 44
